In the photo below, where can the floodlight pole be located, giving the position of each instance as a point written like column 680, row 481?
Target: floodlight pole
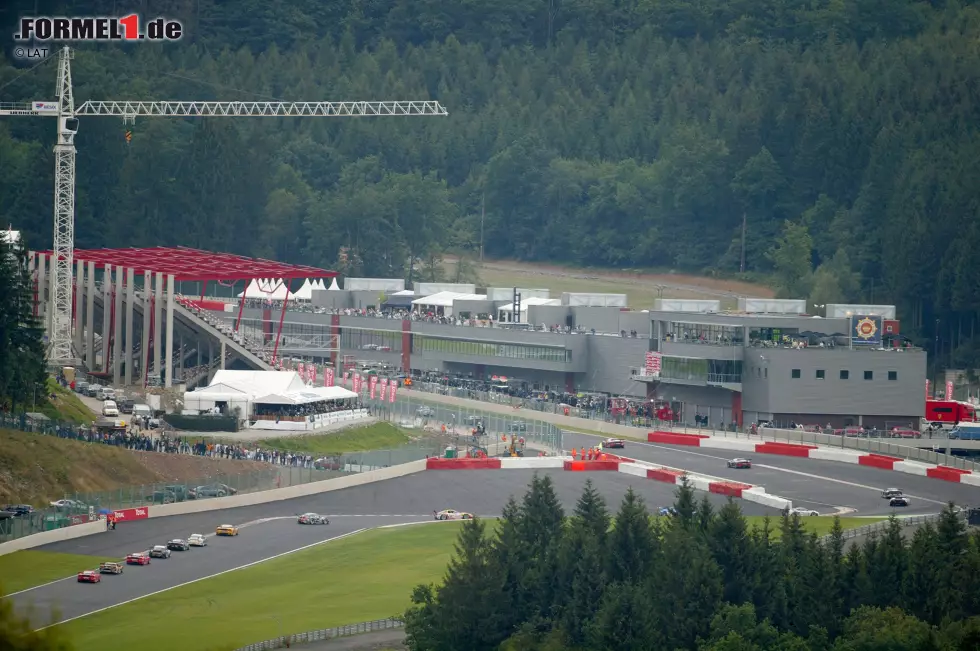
column 62, row 257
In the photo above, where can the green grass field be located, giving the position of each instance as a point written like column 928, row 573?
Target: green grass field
column 65, row 406
column 379, row 436
column 364, row 577
column 28, row 568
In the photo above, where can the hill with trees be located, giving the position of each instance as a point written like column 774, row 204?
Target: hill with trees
column 839, row 137
column 699, row 581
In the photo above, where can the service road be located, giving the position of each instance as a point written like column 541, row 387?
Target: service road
column 271, row 529
column 820, row 485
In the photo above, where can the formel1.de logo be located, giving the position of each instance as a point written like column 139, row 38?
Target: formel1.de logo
column 98, row 28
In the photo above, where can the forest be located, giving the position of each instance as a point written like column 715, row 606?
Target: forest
column 826, row 147
column 697, row 581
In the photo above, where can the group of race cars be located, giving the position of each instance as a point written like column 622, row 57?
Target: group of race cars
column 177, row 545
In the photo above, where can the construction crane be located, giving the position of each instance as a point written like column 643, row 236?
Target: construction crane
column 60, row 327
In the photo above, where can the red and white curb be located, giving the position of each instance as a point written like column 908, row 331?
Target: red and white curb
column 625, row 465
column 801, row 450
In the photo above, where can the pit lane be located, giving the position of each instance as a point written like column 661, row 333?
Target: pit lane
column 820, row 485
column 271, row 530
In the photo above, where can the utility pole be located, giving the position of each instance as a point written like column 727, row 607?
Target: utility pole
column 63, row 250
column 742, row 265
column 483, row 216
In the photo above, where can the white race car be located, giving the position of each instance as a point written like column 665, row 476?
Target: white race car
column 450, row 514
column 802, row 512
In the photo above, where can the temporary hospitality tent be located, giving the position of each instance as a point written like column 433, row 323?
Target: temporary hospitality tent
column 273, row 290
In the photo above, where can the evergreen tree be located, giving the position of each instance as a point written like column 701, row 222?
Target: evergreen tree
column 684, row 503
column 631, row 543
column 540, row 529
column 887, row 567
column 22, row 364
column 731, row 548
column 873, row 629
column 922, row 575
column 623, row 621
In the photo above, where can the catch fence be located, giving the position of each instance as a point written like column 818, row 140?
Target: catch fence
column 286, row 641
column 880, row 527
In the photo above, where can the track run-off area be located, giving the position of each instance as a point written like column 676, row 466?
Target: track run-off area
column 269, row 531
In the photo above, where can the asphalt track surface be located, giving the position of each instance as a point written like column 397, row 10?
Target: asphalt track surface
column 270, row 529
column 825, row 486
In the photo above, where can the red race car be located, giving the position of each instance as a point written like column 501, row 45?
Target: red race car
column 139, row 558
column 89, row 576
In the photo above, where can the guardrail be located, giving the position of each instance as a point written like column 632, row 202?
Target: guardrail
column 285, row 641
column 878, row 527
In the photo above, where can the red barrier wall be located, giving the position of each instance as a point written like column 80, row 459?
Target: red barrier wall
column 785, row 449
column 664, row 475
column 669, row 438
column 946, row 473
column 878, row 461
column 140, row 513
column 216, row 306
column 437, row 463
column 616, row 457
column 732, row 488
column 579, row 466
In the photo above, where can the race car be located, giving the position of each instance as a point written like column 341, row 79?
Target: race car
column 614, row 443
column 901, row 500
column 111, row 568
column 313, row 518
column 226, row 530
column 89, row 576
column 178, row 545
column 160, row 551
column 139, row 558
column 667, row 511
column 450, row 514
column 799, row 510
column 889, row 493
column 197, row 540
column 740, row 463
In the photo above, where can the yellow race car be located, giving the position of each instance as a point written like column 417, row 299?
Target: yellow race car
column 226, row 530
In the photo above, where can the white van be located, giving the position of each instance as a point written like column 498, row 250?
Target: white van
column 110, row 409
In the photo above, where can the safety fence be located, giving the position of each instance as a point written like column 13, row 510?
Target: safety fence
column 883, row 443
column 880, row 527
column 457, row 424
column 286, row 641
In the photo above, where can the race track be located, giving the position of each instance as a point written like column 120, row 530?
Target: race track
column 820, row 485
column 406, row 499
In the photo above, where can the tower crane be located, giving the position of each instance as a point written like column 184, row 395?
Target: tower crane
column 60, row 331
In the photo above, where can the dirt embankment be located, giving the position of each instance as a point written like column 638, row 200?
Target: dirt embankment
column 36, row 469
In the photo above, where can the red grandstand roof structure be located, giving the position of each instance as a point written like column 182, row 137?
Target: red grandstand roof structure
column 187, row 264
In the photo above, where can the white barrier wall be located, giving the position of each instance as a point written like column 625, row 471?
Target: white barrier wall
column 634, row 469
column 279, row 494
column 830, row 454
column 742, row 445
column 911, row 468
column 971, row 480
column 515, row 463
column 55, row 535
column 759, row 495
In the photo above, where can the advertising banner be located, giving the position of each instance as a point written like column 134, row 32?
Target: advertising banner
column 374, row 385
column 311, row 373
column 866, row 329
column 392, row 388
column 927, row 389
column 328, row 376
column 356, row 387
column 301, row 369
column 949, row 390
column 653, row 364
column 384, row 389
column 140, row 513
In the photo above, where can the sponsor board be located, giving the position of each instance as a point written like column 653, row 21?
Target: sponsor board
column 140, row 513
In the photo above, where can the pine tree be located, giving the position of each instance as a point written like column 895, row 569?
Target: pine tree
column 631, row 543
column 540, row 529
column 731, row 548
column 684, row 503
column 582, row 575
column 705, row 514
column 511, row 560
column 922, row 575
column 22, row 364
column 623, row 621
column 888, row 565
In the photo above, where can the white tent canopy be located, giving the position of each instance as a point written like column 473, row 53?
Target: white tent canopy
column 525, row 303
column 334, row 287
column 277, row 287
column 445, row 299
column 304, row 293
column 306, row 396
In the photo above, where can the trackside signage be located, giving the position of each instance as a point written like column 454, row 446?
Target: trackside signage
column 141, row 513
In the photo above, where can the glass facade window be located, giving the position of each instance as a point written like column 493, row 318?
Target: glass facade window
column 363, row 339
column 892, row 376
column 701, row 370
column 845, row 375
column 795, row 374
column 424, row 343
column 702, row 333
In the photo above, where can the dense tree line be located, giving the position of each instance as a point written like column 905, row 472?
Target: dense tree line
column 701, row 580
column 22, row 366
column 626, row 133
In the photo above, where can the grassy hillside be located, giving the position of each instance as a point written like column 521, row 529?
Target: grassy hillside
column 36, row 469
column 64, row 405
column 379, row 436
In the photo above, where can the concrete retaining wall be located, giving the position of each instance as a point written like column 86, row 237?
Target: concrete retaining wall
column 55, row 535
column 759, row 495
column 634, row 469
column 830, row 454
column 515, row 463
column 278, row 494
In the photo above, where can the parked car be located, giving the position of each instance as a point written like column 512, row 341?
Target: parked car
column 69, row 505
column 214, row 490
column 178, row 545
column 19, row 510
column 161, row 497
column 89, row 576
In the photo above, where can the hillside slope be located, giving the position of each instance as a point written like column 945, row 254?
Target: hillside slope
column 37, row 469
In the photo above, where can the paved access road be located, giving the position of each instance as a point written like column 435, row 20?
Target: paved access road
column 270, row 529
column 820, row 485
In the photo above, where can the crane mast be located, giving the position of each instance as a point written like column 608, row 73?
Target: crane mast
column 59, row 318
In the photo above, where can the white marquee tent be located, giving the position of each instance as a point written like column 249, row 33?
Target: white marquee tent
column 257, row 289
column 304, row 293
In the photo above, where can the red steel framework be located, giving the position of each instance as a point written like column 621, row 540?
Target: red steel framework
column 195, row 265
